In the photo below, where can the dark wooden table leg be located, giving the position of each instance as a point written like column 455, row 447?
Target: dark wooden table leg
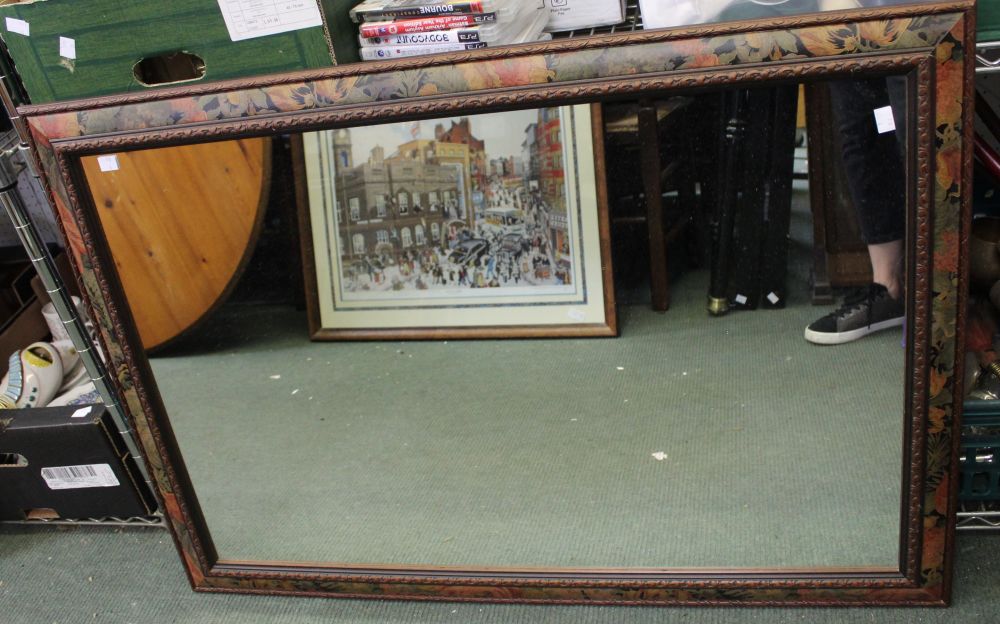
column 778, row 197
column 725, row 209
column 659, row 284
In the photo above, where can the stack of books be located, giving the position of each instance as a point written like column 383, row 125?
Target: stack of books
column 398, row 28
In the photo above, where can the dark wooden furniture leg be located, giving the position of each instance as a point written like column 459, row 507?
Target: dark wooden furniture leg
column 659, row 285
column 725, row 209
column 778, row 196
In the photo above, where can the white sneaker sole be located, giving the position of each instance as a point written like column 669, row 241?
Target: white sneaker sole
column 824, row 338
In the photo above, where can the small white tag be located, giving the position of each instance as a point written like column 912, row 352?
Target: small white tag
column 246, row 19
column 884, row 120
column 75, row 477
column 108, row 162
column 20, row 27
column 741, row 299
column 773, row 298
column 577, row 315
column 67, row 47
column 83, row 411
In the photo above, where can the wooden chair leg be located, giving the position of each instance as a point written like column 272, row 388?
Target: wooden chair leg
column 650, row 151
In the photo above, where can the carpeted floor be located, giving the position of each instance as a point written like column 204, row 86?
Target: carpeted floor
column 688, row 441
column 87, row 575
column 540, row 453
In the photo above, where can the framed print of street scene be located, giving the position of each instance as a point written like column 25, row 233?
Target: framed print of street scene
column 473, row 226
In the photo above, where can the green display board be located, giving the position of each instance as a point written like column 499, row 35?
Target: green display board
column 111, row 36
column 988, row 20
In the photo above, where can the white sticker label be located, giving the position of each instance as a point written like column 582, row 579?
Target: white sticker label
column 741, row 299
column 20, row 27
column 576, row 315
column 884, row 120
column 773, row 298
column 74, row 477
column 83, row 411
column 247, row 19
column 67, row 47
column 108, row 162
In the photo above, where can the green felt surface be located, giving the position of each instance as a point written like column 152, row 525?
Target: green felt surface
column 113, row 35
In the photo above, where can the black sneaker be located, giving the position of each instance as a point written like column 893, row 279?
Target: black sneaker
column 865, row 312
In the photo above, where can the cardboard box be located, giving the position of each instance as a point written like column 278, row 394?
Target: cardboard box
column 59, row 462
column 68, row 49
column 578, row 14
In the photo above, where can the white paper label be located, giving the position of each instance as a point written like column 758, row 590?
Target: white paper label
column 576, row 315
column 83, row 411
column 74, row 477
column 20, row 27
column 67, row 47
column 884, row 120
column 247, row 19
column 108, row 162
column 741, row 299
column 773, row 298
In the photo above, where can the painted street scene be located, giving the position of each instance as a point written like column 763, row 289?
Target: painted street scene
column 447, row 206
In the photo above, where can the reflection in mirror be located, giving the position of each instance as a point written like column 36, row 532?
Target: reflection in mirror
column 733, row 437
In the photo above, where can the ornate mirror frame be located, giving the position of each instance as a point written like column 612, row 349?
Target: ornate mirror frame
column 932, row 43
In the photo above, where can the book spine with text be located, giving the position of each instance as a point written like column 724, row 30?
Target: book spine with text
column 388, row 52
column 427, row 10
column 426, row 24
column 434, row 37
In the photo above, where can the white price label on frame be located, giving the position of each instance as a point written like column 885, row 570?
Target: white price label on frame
column 884, row 121
column 108, row 162
column 74, row 477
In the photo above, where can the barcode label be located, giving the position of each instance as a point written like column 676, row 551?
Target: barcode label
column 86, row 476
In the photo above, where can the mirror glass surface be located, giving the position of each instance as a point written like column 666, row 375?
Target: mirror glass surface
column 689, row 440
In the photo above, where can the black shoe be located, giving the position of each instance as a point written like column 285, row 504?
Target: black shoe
column 865, row 312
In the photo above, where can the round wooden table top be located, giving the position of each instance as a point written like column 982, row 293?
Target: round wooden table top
column 181, row 223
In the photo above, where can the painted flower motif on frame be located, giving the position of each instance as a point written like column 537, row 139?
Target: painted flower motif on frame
column 946, row 252
column 938, row 380
column 765, row 46
column 506, row 73
column 936, row 419
column 305, row 96
column 950, row 79
column 701, row 61
column 186, row 110
column 851, row 38
column 404, row 84
column 941, row 495
column 62, row 125
column 933, row 548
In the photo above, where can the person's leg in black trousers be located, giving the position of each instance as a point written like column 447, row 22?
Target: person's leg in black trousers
column 874, row 167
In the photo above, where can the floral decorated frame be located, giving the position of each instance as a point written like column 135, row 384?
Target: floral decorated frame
column 931, row 43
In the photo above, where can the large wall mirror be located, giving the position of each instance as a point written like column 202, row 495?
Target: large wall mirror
column 439, row 378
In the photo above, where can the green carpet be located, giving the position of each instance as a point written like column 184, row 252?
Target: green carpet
column 134, row 576
column 540, row 453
